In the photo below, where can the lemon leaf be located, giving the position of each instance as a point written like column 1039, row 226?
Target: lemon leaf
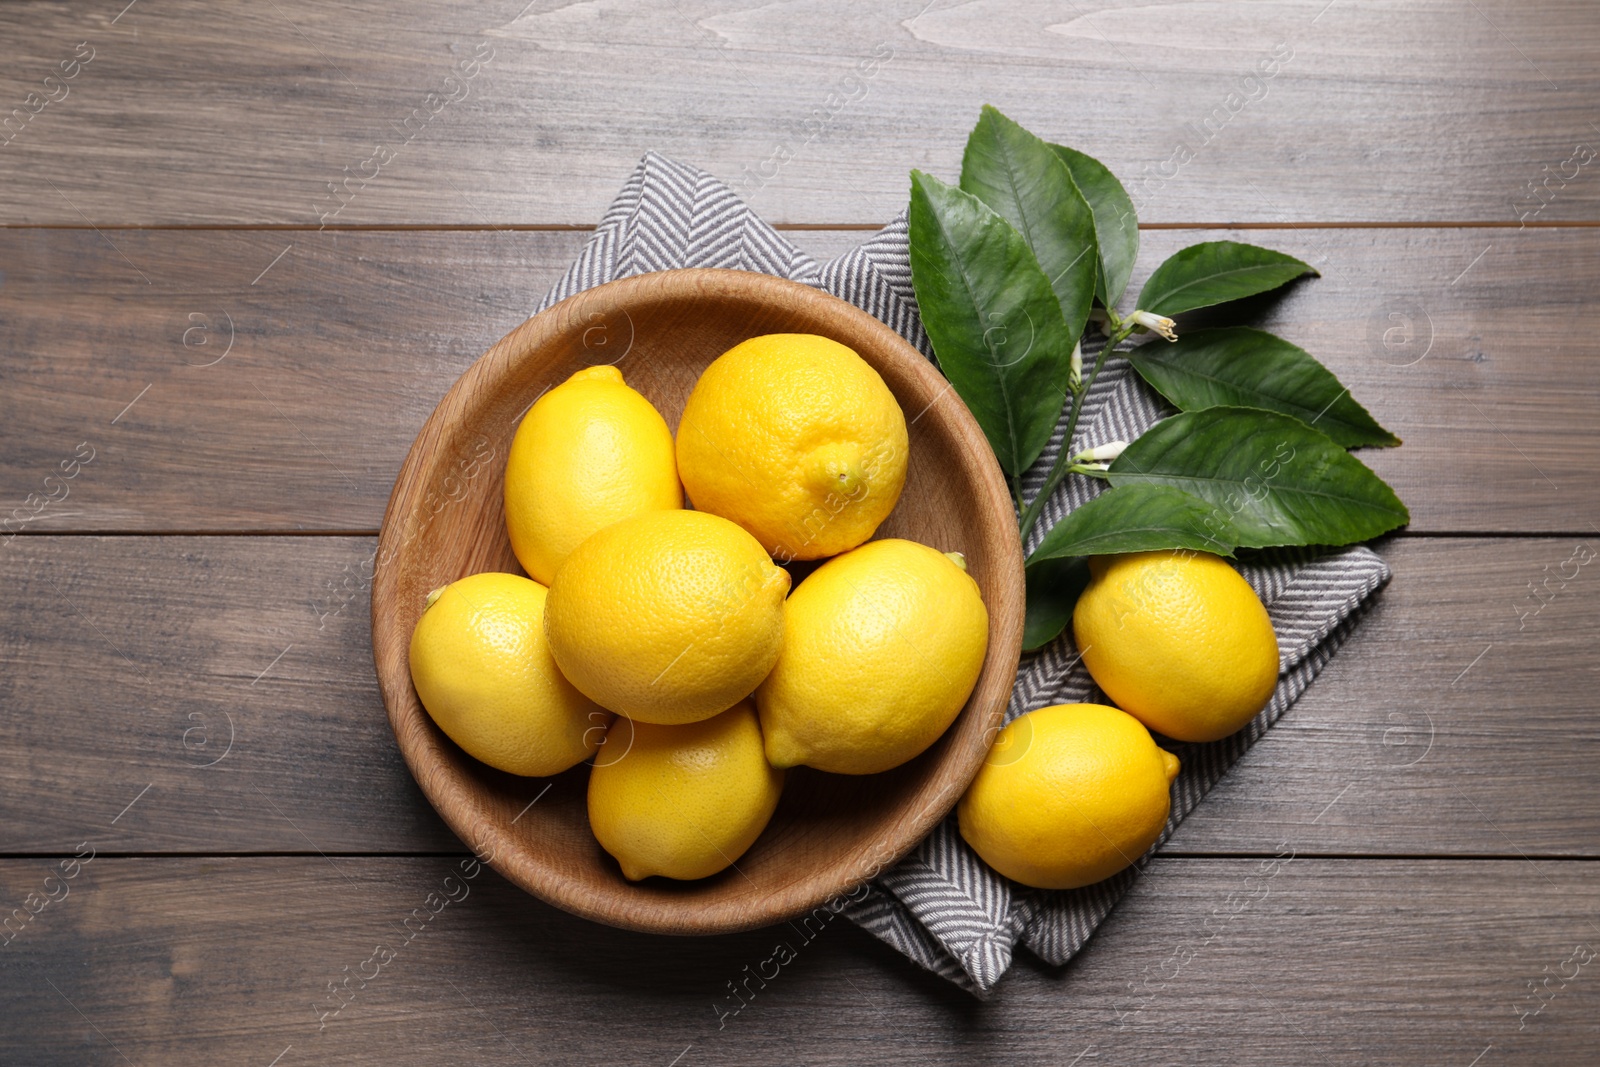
column 1142, row 517
column 991, row 315
column 1242, row 367
column 1116, row 226
column 1030, row 186
column 1053, row 588
column 1216, row 272
column 1280, row 481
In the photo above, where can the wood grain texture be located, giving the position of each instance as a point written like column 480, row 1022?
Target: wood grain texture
column 204, row 961
column 244, row 400
column 201, row 684
column 1458, row 721
column 1380, row 112
column 346, row 343
column 446, row 520
column 127, row 656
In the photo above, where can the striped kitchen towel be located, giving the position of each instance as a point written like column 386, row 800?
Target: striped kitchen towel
column 942, row 906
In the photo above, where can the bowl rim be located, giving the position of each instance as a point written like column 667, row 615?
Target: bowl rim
column 482, row 830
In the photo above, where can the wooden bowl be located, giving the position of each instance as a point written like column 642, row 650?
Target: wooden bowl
column 445, row 520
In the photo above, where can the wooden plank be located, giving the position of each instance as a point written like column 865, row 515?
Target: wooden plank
column 129, row 657
column 1289, row 109
column 221, row 690
column 338, row 352
column 345, row 343
column 196, row 960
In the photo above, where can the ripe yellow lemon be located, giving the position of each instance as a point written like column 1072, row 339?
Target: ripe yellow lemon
column 589, row 453
column 682, row 801
column 1179, row 640
column 667, row 617
column 483, row 670
column 881, row 648
column 1069, row 795
column 798, row 440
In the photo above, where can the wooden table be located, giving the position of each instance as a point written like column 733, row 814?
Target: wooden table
column 213, row 364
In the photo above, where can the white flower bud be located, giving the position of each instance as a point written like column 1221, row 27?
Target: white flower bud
column 1075, row 373
column 1159, row 323
column 1101, row 453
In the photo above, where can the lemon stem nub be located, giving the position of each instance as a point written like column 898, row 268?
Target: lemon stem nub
column 432, row 596
column 847, row 479
column 957, row 558
column 838, row 470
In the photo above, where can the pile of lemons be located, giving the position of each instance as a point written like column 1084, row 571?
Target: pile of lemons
column 1072, row 794
column 665, row 642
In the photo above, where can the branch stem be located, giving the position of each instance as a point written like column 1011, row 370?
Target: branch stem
column 1120, row 329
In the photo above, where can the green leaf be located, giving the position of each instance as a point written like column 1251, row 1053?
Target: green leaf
column 1214, row 273
column 1282, row 482
column 1242, row 367
column 1116, row 227
column 1053, row 588
column 1028, row 185
column 1141, row 517
column 992, row 317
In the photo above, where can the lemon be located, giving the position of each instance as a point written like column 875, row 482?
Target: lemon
column 682, row 801
column 588, row 453
column 795, row 438
column 483, row 670
column 667, row 617
column 1069, row 795
column 1178, row 640
column 881, row 648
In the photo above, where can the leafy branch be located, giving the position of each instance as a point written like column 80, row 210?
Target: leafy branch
column 1034, row 247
